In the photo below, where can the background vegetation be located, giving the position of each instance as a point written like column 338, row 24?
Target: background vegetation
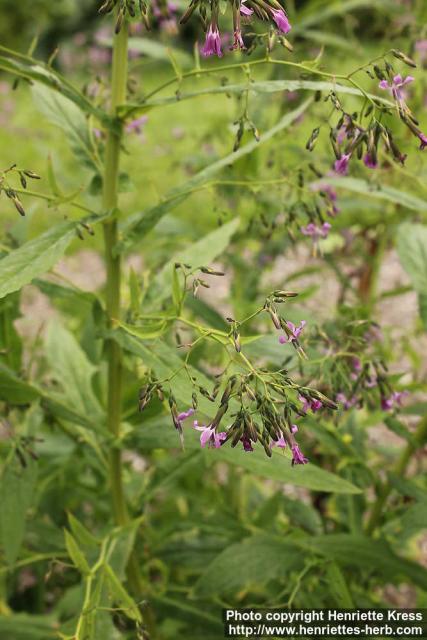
column 211, row 528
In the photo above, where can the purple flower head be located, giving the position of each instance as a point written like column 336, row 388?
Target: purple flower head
column 423, row 140
column 421, row 49
column 341, row 165
column 316, row 232
column 135, row 126
column 294, row 332
column 244, row 10
column 330, row 196
column 281, row 442
column 209, row 436
column 396, row 87
column 294, row 428
column 212, row 43
column 387, row 404
column 297, row 456
column 238, row 40
column 310, row 403
column 281, row 20
column 370, row 161
column 347, row 403
column 185, row 414
column 247, row 445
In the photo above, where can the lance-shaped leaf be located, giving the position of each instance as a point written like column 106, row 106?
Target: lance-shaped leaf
column 412, row 250
column 120, row 596
column 66, row 115
column 26, row 67
column 34, row 258
column 261, row 87
column 139, row 224
column 73, row 372
column 16, row 492
column 377, row 191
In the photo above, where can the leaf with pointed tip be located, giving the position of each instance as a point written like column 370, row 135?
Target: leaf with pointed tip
column 34, row 258
column 138, row 225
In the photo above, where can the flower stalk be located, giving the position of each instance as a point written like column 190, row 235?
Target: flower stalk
column 113, row 350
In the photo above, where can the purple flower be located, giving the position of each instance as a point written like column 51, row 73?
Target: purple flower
column 341, row 165
column 294, row 428
column 212, row 43
column 294, row 332
column 347, row 403
column 281, row 442
column 421, row 48
column 370, row 161
column 310, row 403
column 244, row 10
column 331, row 196
column 238, row 40
column 247, row 445
column 209, row 436
column 297, row 456
column 396, row 86
column 423, row 140
column 315, row 231
column 392, row 401
column 185, row 414
column 281, row 20
column 135, row 126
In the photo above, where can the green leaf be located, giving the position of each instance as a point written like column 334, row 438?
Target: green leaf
column 379, row 192
column 361, row 552
column 200, row 253
column 260, row 88
column 76, row 554
column 139, row 224
column 82, row 535
column 338, row 587
column 155, row 50
column 21, row 626
column 318, row 12
column 252, row 562
column 34, row 258
column 422, row 306
column 64, row 114
column 14, row 390
column 16, row 493
column 279, row 468
column 121, row 596
column 43, row 75
column 73, row 372
column 412, row 250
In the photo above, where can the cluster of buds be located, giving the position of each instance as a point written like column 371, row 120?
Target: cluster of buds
column 242, row 10
column 198, row 281
column 267, row 10
column 369, row 383
column 358, row 374
column 126, row 8
column 350, row 139
column 11, row 192
column 256, row 407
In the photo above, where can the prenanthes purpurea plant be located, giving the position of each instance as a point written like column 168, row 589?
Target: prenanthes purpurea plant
column 269, row 378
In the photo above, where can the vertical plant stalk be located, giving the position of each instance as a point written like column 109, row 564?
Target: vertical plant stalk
column 113, row 351
column 113, row 266
column 420, row 437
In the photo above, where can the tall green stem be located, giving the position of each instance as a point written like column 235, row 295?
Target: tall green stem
column 113, row 265
column 400, row 468
column 114, row 355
